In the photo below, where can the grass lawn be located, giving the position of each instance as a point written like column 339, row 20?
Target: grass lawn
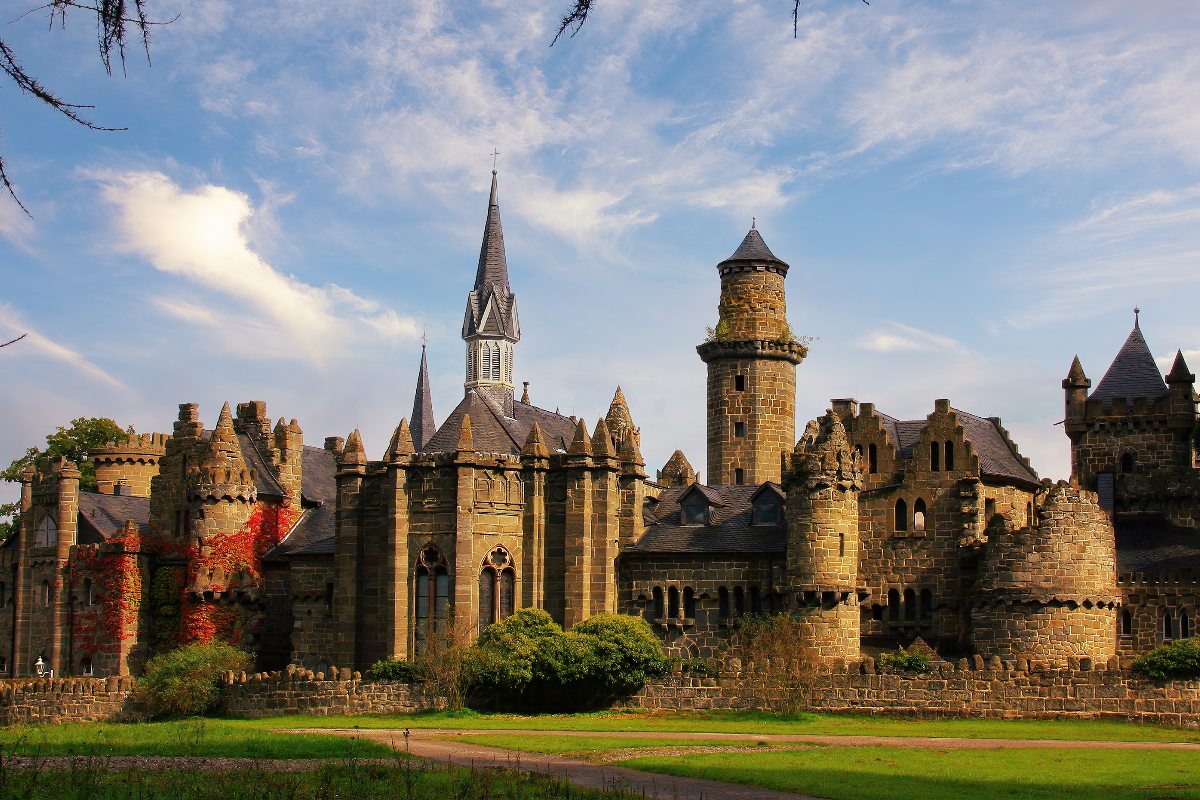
column 347, row 780
column 197, row 737
column 759, row 723
column 878, row 773
column 583, row 745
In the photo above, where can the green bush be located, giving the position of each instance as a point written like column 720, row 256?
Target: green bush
column 187, row 681
column 699, row 667
column 1177, row 660
column 402, row 671
column 903, row 661
column 528, row 661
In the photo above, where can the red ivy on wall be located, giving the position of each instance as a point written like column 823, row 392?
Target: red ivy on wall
column 112, row 615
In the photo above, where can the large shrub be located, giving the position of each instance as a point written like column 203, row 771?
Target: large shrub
column 527, row 661
column 1179, row 659
column 404, row 671
column 903, row 661
column 187, row 681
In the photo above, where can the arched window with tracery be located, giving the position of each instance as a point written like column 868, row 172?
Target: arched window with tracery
column 1167, row 626
column 432, row 590
column 497, row 588
column 47, row 533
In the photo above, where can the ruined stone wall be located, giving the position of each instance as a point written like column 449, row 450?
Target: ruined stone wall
column 337, row 692
column 703, row 633
column 991, row 689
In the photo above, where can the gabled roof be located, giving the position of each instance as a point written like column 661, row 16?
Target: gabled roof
column 710, row 496
column 312, row 535
column 102, row 515
column 1133, row 373
column 998, row 457
column 730, row 528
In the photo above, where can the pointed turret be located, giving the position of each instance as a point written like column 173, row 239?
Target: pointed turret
column 1133, row 372
column 535, row 445
column 1179, row 371
column 1076, row 376
column 223, row 444
column 620, row 422
column 602, row 444
column 490, row 325
column 677, row 471
column 401, row 445
column 423, row 425
column 581, row 445
column 353, row 455
column 630, row 453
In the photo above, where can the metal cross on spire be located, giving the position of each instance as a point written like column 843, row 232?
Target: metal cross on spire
column 494, row 154
column 424, row 338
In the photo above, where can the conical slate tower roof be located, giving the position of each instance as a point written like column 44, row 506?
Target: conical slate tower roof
column 753, row 250
column 1133, row 372
column 493, row 268
column 422, row 426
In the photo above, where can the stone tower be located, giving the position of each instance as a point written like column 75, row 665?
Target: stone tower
column 1050, row 592
column 822, row 540
column 127, row 467
column 751, row 358
column 490, row 326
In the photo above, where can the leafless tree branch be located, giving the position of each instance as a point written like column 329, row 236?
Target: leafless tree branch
column 574, row 19
column 14, row 341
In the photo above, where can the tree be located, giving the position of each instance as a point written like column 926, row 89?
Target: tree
column 114, row 18
column 84, row 436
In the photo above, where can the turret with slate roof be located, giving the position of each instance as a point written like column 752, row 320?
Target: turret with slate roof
column 751, row 356
column 490, row 325
column 1134, row 425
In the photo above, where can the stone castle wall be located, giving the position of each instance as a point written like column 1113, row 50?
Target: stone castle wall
column 304, row 692
column 992, row 689
column 765, row 407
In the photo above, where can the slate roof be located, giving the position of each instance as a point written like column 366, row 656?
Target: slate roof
column 997, row 457
column 1150, row 544
column 753, row 248
column 102, row 515
column 264, row 480
column 311, row 536
column 317, row 484
column 729, row 529
column 1133, row 373
column 493, row 267
column 421, row 424
column 495, row 432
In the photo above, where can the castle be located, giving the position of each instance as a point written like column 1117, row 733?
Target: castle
column 874, row 531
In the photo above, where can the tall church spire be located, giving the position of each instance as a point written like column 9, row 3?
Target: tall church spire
column 490, row 325
column 422, row 426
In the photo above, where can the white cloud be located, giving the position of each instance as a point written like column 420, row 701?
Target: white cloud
column 15, row 224
column 13, row 325
column 899, row 337
column 201, row 236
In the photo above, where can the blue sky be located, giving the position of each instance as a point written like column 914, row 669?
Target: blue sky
column 968, row 193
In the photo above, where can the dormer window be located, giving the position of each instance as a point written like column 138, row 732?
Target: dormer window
column 767, row 505
column 694, row 512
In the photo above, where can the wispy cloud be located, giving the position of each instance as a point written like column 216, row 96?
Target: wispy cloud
column 12, row 324
column 200, row 235
column 15, row 224
column 895, row 337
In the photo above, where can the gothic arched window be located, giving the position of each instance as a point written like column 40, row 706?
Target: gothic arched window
column 497, row 588
column 926, row 605
column 689, row 603
column 919, row 515
column 672, row 602
column 935, row 449
column 949, row 456
column 1185, row 625
column 901, row 515
column 1126, row 623
column 893, row 605
column 872, row 459
column 723, row 603
column 910, row 605
column 658, row 602
column 47, row 533
column 432, row 584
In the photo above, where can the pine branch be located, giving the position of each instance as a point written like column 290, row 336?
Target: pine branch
column 574, row 19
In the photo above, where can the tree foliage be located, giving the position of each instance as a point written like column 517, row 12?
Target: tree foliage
column 1179, row 660
column 77, row 442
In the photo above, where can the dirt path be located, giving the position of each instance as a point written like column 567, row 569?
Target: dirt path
column 925, row 742
column 453, row 747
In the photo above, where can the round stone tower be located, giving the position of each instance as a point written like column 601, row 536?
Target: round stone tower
column 822, row 540
column 1050, row 592
column 127, row 466
column 751, row 357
